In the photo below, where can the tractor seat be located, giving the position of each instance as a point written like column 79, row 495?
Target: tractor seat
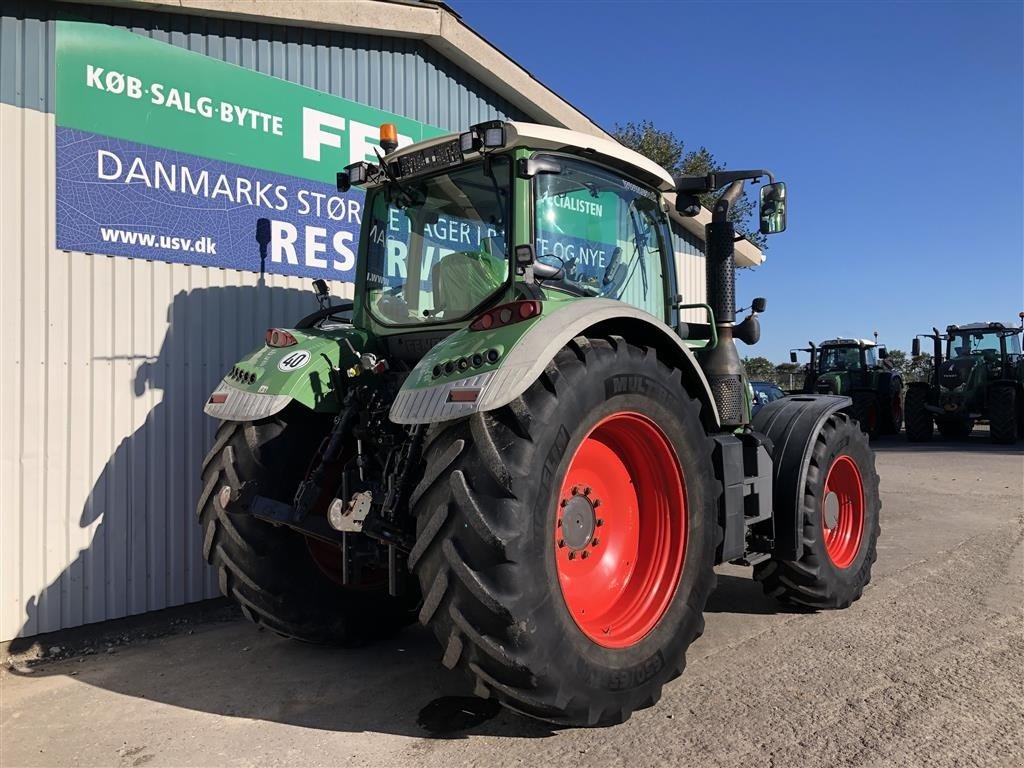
column 461, row 280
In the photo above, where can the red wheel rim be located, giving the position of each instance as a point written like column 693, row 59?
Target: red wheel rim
column 620, row 530
column 842, row 511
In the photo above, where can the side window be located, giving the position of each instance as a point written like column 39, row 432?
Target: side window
column 871, row 357
column 606, row 234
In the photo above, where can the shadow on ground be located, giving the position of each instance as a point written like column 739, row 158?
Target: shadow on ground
column 231, row 668
column 223, row 665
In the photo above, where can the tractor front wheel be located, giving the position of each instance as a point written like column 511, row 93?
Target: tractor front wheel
column 1003, row 416
column 919, row 421
column 864, row 411
column 840, row 524
column 565, row 542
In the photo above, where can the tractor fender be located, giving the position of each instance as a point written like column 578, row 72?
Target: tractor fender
column 791, row 425
column 266, row 381
column 528, row 354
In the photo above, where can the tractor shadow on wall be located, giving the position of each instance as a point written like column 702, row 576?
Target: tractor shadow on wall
column 146, row 552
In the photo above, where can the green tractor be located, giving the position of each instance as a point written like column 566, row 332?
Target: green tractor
column 512, row 435
column 980, row 376
column 859, row 369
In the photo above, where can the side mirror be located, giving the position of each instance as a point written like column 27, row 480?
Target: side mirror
column 915, row 348
column 792, row 357
column 759, row 305
column 883, row 353
column 343, row 181
column 773, row 208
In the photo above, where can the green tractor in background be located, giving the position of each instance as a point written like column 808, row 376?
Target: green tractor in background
column 980, row 377
column 512, row 435
column 859, row 369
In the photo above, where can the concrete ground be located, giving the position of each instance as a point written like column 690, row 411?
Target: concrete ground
column 926, row 669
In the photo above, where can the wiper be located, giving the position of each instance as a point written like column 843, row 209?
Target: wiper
column 639, row 244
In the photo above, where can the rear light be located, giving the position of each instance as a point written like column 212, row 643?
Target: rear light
column 506, row 314
column 218, row 398
column 463, row 395
column 277, row 338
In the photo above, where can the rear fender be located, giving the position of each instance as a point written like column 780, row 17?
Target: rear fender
column 791, row 425
column 525, row 350
column 266, row 381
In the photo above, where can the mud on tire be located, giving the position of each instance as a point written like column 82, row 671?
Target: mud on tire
column 486, row 544
column 268, row 570
column 826, row 575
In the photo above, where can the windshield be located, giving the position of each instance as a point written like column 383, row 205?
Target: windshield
column 437, row 246
column 604, row 232
column 838, row 359
column 967, row 343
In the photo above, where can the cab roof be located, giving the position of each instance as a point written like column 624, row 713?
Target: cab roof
column 989, row 326
column 863, row 343
column 542, row 137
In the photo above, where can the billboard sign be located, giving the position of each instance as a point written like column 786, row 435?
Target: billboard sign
column 169, row 155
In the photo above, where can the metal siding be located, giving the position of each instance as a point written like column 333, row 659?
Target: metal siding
column 384, row 72
column 690, row 272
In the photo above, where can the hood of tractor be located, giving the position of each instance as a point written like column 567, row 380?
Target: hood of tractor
column 833, row 382
column 267, row 380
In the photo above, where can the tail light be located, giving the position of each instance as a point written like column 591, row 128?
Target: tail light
column 277, row 338
column 506, row 314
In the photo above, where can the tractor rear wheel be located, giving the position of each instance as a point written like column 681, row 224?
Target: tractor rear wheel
column 280, row 579
column 920, row 424
column 840, row 517
column 1002, row 413
column 565, row 542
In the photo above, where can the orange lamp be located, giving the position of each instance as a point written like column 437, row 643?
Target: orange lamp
column 389, row 137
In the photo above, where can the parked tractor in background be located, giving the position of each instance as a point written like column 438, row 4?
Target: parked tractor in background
column 978, row 376
column 511, row 434
column 860, row 370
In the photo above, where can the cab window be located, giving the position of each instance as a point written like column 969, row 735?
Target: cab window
column 606, row 234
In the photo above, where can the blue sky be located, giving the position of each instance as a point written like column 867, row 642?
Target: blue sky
column 898, row 128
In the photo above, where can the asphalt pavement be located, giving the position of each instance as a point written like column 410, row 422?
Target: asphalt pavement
column 925, row 670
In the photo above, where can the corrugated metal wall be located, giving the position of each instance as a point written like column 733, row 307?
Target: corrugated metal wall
column 690, row 272
column 108, row 360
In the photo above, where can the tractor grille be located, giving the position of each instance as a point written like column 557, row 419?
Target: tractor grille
column 728, row 394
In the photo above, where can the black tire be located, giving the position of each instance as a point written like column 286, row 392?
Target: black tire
column 955, row 429
column 268, row 570
column 1003, row 419
column 485, row 553
column 919, row 421
column 864, row 411
column 815, row 581
column 892, row 409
